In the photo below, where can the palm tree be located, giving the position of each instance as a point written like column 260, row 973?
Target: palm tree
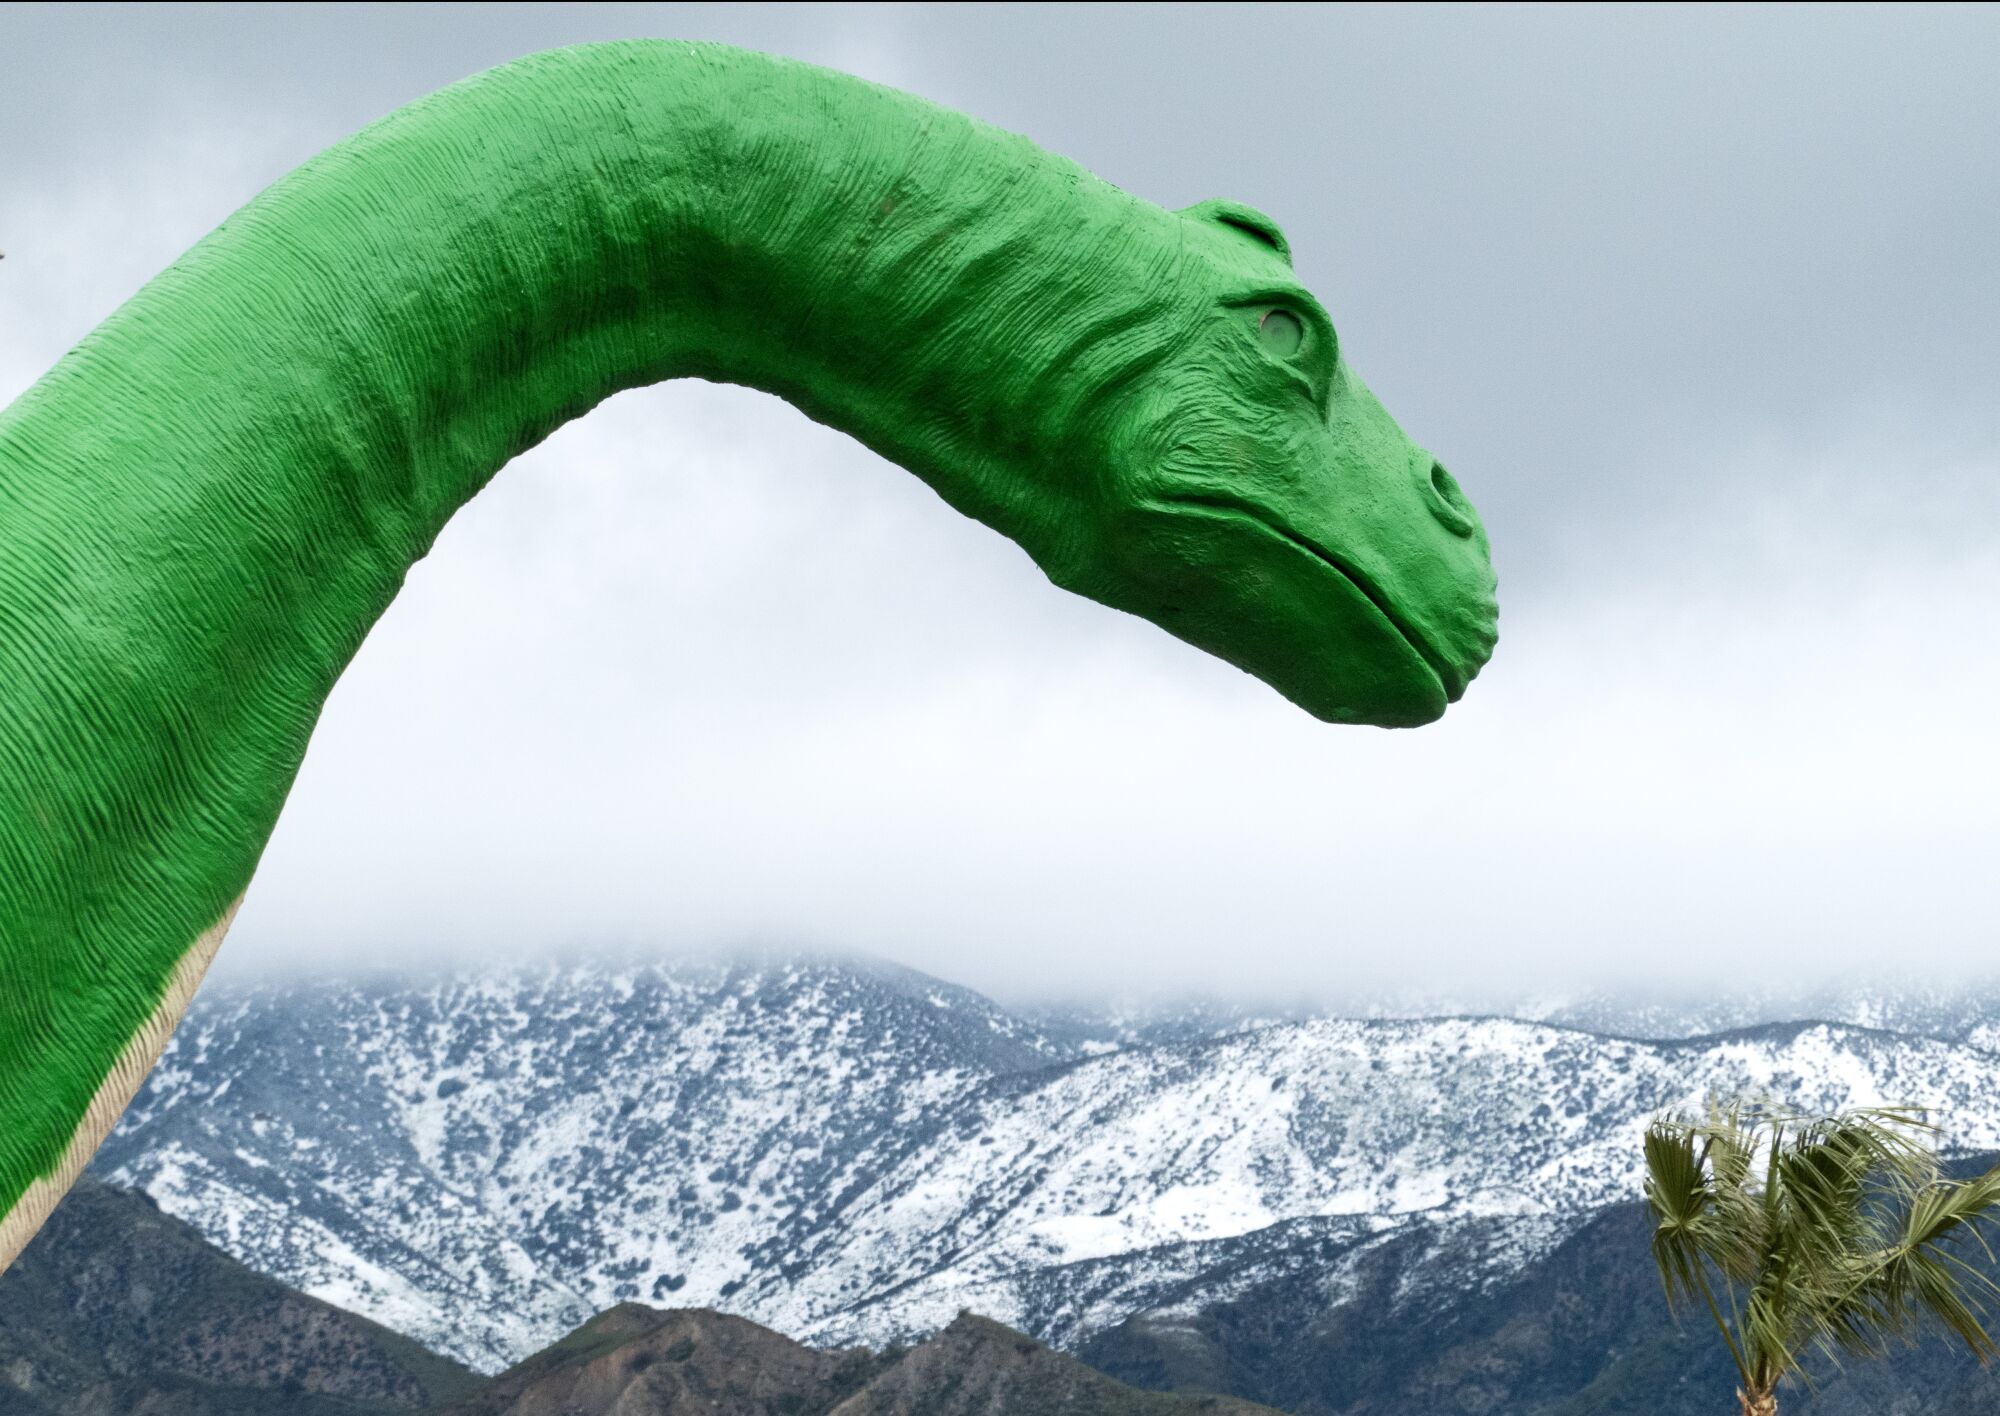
column 1828, row 1233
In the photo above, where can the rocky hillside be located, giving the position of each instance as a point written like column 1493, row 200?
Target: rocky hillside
column 636, row 1361
column 115, row 1308
column 853, row 1155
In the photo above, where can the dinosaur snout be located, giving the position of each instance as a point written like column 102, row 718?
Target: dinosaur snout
column 1449, row 600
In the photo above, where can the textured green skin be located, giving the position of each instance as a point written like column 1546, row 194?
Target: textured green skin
column 206, row 505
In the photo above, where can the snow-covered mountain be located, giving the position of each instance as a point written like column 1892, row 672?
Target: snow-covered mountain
column 1960, row 1013
column 849, row 1152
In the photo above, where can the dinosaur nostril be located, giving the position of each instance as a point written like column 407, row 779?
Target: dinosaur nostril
column 1450, row 504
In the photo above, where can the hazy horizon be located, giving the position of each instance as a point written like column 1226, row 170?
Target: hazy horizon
column 1820, row 999
column 1697, row 305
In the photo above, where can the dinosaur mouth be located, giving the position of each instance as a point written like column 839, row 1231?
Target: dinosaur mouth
column 1451, row 679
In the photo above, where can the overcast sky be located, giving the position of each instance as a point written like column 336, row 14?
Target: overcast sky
column 1701, row 307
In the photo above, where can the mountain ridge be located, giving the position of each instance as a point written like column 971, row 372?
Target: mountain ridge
column 853, row 1155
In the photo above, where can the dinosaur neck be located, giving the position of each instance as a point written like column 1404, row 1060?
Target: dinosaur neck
column 208, row 503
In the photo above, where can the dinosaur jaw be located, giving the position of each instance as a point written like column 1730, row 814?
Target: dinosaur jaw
column 121, row 1084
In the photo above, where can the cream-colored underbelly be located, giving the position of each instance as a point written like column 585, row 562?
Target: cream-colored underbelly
column 120, row 1085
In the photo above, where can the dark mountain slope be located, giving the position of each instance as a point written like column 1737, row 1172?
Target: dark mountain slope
column 977, row 1367
column 117, row 1310
column 1583, row 1332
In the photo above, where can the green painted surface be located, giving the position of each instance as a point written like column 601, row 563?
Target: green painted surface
column 206, row 505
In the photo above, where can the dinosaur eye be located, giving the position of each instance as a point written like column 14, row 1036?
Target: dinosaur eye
column 1282, row 331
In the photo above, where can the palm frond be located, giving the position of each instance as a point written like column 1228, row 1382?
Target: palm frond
column 1696, row 1219
column 1829, row 1233
column 1921, row 1275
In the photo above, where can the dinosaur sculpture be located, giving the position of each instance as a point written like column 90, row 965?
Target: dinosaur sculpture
column 207, row 503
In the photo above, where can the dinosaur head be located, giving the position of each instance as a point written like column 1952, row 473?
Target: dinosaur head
column 1264, row 507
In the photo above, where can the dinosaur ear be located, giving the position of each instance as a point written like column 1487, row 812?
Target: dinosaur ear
column 1250, row 221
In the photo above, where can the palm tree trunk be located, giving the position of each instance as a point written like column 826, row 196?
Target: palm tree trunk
column 1758, row 1403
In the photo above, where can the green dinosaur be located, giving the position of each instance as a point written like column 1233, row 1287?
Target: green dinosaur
column 207, row 503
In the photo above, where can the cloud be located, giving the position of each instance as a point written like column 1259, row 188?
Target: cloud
column 699, row 670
